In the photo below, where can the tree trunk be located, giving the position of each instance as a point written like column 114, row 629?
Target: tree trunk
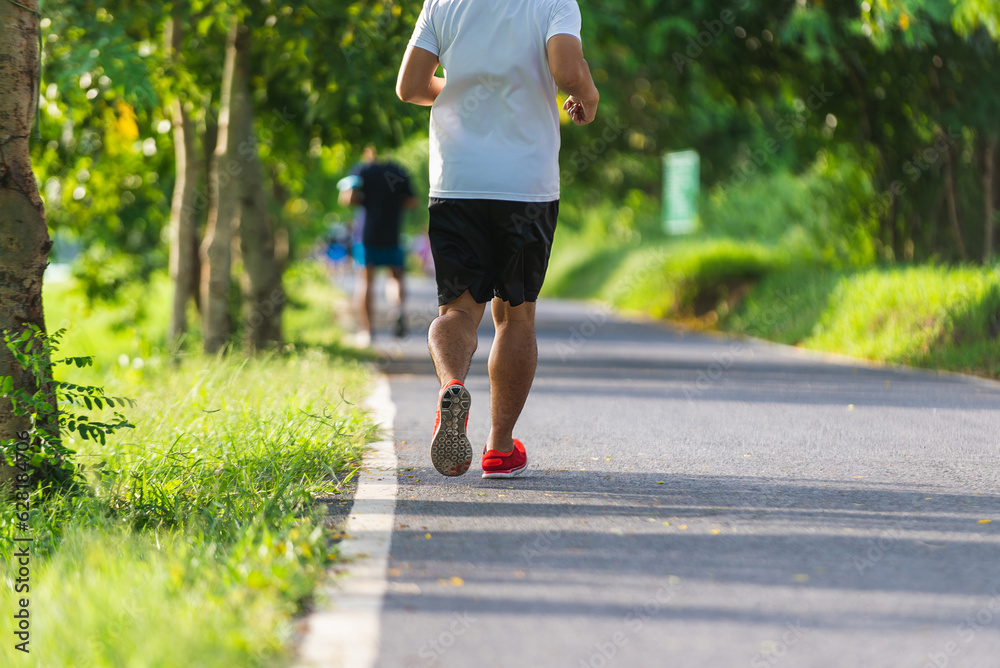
column 24, row 236
column 263, row 296
column 950, row 199
column 216, row 256
column 183, row 235
column 989, row 206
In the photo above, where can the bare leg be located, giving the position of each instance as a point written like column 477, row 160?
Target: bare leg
column 396, row 291
column 452, row 337
column 366, row 299
column 398, row 297
column 513, row 359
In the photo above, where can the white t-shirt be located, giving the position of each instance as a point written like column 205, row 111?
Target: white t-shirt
column 494, row 130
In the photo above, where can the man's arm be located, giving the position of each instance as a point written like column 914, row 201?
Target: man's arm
column 416, row 82
column 572, row 75
column 350, row 197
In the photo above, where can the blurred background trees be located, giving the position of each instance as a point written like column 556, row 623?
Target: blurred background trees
column 854, row 132
column 883, row 112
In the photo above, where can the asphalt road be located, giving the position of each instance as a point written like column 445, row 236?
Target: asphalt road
column 698, row 501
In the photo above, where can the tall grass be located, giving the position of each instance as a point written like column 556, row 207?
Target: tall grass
column 943, row 317
column 680, row 279
column 932, row 316
column 197, row 536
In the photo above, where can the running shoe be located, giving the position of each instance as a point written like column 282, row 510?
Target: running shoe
column 451, row 452
column 498, row 464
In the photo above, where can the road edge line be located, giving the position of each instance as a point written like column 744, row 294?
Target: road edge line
column 345, row 632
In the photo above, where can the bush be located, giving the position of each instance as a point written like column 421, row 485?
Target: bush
column 934, row 316
column 667, row 279
column 818, row 215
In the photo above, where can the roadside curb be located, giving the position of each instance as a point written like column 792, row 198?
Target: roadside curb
column 345, row 632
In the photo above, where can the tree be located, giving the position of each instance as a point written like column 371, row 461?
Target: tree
column 216, row 253
column 24, row 237
column 183, row 219
column 263, row 295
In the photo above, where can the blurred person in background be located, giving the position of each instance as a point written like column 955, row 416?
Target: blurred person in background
column 381, row 188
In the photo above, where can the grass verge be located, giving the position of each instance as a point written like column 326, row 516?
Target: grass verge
column 197, row 538
column 694, row 281
column 929, row 316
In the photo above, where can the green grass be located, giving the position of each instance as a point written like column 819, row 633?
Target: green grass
column 931, row 316
column 127, row 334
column 680, row 279
column 196, row 539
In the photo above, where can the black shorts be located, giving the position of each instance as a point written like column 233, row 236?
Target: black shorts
column 492, row 248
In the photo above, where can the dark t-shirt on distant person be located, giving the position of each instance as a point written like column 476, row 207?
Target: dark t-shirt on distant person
column 385, row 188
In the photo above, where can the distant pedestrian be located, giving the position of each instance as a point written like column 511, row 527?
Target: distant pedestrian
column 382, row 189
column 336, row 249
column 494, row 188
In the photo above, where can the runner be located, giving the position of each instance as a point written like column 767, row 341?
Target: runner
column 494, row 189
column 382, row 189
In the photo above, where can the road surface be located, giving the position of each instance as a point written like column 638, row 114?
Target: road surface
column 697, row 501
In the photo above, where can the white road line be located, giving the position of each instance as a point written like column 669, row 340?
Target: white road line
column 345, row 633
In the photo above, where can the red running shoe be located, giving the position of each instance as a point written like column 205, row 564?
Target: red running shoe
column 451, row 452
column 498, row 464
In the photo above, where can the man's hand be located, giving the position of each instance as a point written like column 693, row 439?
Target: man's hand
column 579, row 111
column 572, row 75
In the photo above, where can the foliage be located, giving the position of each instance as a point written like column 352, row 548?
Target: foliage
column 198, row 535
column 839, row 129
column 322, row 86
column 780, row 86
column 816, row 215
column 34, row 351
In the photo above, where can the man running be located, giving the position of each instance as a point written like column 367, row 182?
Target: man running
column 494, row 195
column 382, row 189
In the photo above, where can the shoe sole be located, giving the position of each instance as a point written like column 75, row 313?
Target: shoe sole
column 451, row 451
column 506, row 474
